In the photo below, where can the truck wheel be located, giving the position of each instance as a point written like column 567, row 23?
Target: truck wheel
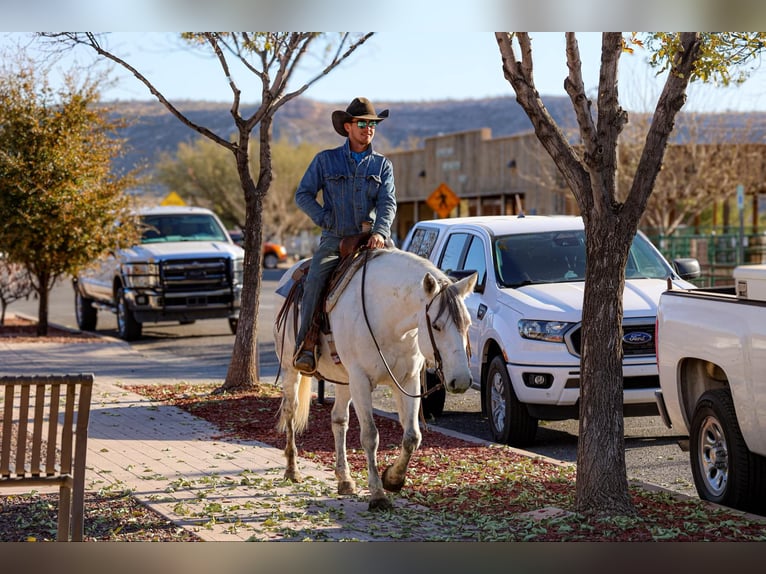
column 128, row 328
column 233, row 323
column 724, row 470
column 433, row 404
column 509, row 421
column 85, row 312
column 270, row 261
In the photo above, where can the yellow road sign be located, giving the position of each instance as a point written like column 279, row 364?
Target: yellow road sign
column 172, row 198
column 443, row 200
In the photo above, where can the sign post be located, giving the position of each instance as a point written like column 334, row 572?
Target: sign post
column 741, row 209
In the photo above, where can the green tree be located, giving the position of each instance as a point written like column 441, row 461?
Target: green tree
column 202, row 173
column 274, row 59
column 610, row 222
column 59, row 200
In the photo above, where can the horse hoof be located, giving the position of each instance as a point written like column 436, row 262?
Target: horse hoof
column 380, row 504
column 391, row 485
column 346, row 487
column 293, row 476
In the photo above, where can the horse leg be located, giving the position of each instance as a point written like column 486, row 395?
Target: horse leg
column 346, row 484
column 394, row 475
column 288, row 423
column 362, row 396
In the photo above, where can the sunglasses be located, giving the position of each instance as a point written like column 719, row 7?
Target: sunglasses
column 366, row 123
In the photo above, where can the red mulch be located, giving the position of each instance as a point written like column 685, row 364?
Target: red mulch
column 252, row 415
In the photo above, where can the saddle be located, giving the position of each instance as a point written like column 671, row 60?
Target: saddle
column 350, row 249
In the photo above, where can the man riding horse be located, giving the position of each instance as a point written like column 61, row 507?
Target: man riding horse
column 358, row 195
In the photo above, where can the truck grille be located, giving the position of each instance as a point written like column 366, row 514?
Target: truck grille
column 189, row 275
column 637, row 339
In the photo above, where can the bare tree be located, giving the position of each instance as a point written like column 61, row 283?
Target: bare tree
column 273, row 58
column 704, row 167
column 610, row 224
column 201, row 172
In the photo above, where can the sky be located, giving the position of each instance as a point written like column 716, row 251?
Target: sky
column 404, row 66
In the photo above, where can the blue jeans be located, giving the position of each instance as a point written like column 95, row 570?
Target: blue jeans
column 323, row 263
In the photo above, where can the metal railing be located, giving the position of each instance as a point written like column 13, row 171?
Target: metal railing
column 718, row 252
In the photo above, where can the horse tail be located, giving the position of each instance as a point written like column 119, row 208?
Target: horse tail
column 299, row 413
column 304, row 402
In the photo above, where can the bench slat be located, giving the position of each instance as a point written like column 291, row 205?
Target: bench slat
column 21, row 430
column 37, row 431
column 53, row 415
column 5, row 454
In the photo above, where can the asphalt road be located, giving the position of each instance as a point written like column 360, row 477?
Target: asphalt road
column 652, row 453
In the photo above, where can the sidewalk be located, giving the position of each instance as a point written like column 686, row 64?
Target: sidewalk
column 171, row 461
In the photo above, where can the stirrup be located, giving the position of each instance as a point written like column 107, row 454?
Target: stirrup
column 305, row 362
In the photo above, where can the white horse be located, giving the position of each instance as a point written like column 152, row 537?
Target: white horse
column 396, row 315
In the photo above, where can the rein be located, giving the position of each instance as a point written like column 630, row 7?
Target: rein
column 437, row 355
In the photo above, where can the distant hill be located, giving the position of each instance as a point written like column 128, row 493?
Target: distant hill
column 154, row 130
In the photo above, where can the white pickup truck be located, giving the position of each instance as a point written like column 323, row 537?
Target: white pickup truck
column 711, row 346
column 526, row 314
column 185, row 268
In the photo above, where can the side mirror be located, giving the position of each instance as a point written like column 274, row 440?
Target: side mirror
column 687, row 267
column 457, row 275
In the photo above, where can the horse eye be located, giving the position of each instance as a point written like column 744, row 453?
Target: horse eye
column 436, row 327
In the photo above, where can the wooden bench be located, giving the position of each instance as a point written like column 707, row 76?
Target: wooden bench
column 44, row 440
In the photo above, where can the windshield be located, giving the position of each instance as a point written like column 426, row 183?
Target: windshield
column 559, row 256
column 181, row 227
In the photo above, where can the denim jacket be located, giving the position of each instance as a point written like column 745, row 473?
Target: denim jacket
column 351, row 194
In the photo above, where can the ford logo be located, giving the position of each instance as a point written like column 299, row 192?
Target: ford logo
column 637, row 338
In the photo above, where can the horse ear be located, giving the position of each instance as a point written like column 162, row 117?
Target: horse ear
column 467, row 284
column 430, row 285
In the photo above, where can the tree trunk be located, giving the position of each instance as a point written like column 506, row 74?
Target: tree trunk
column 42, row 309
column 243, row 368
column 601, row 473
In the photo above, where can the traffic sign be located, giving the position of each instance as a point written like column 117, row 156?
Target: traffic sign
column 172, row 198
column 443, row 200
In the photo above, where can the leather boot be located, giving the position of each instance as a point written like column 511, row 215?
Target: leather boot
column 304, row 362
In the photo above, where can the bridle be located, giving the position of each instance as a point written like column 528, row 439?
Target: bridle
column 437, row 355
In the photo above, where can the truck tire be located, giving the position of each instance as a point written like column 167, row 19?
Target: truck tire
column 128, row 328
column 433, row 404
column 85, row 313
column 233, row 324
column 724, row 470
column 509, row 420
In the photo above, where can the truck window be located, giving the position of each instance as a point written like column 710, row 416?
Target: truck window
column 552, row 257
column 422, row 242
column 644, row 261
column 196, row 227
column 474, row 259
column 453, row 252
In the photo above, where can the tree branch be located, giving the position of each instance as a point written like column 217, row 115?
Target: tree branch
column 519, row 74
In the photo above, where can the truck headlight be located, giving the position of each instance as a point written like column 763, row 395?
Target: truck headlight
column 551, row 331
column 141, row 275
column 238, row 271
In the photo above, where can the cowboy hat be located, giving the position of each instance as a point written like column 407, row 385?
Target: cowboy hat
column 359, row 108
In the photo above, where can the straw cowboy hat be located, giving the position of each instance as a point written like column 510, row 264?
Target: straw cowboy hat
column 360, row 109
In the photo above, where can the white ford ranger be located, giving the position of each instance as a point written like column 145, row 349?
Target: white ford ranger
column 186, row 268
column 711, row 354
column 526, row 313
